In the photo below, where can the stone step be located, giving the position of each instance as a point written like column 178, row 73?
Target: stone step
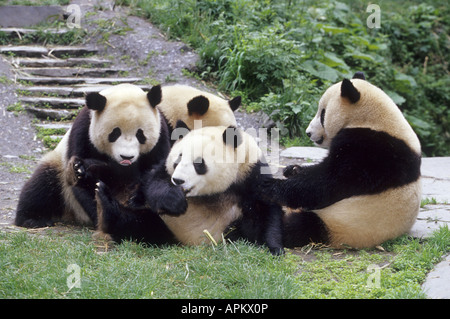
column 65, row 91
column 53, row 102
column 51, row 114
column 18, row 32
column 52, row 62
column 55, row 126
column 70, row 72
column 39, row 51
column 40, row 80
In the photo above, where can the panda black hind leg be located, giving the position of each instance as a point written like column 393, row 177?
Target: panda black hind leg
column 303, row 228
column 41, row 201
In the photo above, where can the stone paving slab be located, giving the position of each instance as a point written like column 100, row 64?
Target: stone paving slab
column 437, row 283
column 430, row 218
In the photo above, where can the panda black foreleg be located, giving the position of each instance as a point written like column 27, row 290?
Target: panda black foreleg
column 121, row 222
column 41, row 201
column 161, row 195
column 309, row 187
column 83, row 174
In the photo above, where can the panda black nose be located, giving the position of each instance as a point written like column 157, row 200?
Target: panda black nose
column 177, row 181
column 126, row 157
column 308, row 133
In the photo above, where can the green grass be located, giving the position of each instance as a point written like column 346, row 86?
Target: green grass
column 35, row 266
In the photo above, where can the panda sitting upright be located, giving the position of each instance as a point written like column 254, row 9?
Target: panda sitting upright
column 367, row 190
column 120, row 131
column 217, row 169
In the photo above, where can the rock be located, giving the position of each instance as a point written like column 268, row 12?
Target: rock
column 312, row 153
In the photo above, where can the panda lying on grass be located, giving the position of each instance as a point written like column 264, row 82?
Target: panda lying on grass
column 209, row 182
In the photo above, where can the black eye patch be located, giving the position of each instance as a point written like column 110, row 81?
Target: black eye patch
column 322, row 117
column 114, row 135
column 200, row 166
column 140, row 136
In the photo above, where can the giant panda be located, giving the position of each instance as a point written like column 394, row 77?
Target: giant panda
column 188, row 104
column 121, row 131
column 209, row 182
column 367, row 190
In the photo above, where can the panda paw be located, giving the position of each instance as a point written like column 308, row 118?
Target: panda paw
column 76, row 171
column 79, row 169
column 173, row 202
column 291, row 170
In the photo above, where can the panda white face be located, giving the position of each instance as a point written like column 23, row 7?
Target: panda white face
column 126, row 126
column 333, row 113
column 316, row 129
column 202, row 164
column 126, row 146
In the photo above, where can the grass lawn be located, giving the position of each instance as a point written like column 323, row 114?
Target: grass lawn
column 46, row 265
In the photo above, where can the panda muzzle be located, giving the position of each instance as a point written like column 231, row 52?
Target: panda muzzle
column 126, row 160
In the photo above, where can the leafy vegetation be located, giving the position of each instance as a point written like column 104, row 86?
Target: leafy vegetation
column 281, row 55
column 35, row 266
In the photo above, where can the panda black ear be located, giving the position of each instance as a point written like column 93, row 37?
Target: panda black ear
column 235, row 103
column 154, row 96
column 349, row 91
column 180, row 131
column 95, row 101
column 232, row 136
column 359, row 75
column 198, row 105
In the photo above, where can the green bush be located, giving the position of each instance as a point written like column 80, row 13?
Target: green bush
column 283, row 54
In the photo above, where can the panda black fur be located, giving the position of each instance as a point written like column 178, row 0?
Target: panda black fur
column 209, row 181
column 367, row 190
column 119, row 134
column 188, row 104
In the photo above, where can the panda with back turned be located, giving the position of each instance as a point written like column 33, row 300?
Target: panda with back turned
column 188, row 104
column 216, row 170
column 118, row 135
column 367, row 190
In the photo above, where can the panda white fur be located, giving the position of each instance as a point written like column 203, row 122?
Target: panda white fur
column 121, row 131
column 367, row 190
column 188, row 104
column 209, row 182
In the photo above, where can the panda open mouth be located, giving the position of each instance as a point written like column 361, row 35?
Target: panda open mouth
column 187, row 190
